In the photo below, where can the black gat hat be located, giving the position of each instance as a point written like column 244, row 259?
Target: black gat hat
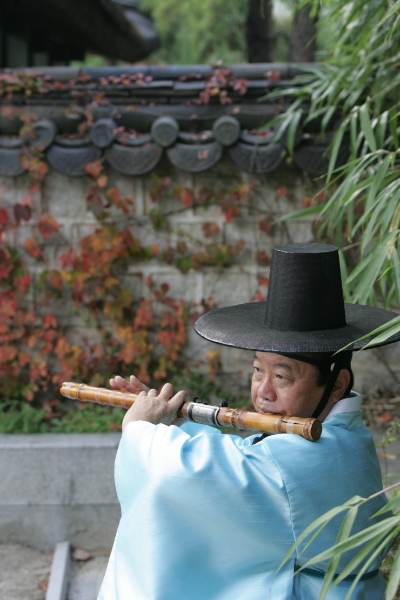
column 304, row 311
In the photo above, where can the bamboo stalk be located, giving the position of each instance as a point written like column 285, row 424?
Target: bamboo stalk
column 238, row 418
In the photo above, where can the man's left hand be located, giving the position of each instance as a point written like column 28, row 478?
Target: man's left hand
column 155, row 408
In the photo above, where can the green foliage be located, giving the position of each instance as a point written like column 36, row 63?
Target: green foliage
column 391, row 434
column 355, row 96
column 126, row 323
column 199, row 31
column 372, row 541
column 88, row 418
column 22, row 417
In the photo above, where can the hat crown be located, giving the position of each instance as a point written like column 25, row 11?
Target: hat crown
column 305, row 290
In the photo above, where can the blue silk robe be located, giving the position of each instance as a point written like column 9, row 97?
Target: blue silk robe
column 207, row 516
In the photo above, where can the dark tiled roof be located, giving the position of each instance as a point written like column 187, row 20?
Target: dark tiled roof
column 66, row 29
column 132, row 115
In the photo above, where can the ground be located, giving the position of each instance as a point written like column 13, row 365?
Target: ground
column 24, row 572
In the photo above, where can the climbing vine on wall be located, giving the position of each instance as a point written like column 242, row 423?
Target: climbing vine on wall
column 74, row 317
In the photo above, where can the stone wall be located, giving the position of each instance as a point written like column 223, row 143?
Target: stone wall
column 65, row 199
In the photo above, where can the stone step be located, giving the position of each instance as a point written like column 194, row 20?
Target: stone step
column 86, row 578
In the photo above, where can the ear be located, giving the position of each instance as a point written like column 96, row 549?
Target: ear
column 341, row 384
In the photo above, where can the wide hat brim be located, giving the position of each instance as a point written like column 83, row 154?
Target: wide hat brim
column 243, row 326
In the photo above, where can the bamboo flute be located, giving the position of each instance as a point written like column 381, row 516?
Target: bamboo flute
column 238, row 418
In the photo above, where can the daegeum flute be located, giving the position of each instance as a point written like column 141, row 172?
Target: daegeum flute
column 219, row 416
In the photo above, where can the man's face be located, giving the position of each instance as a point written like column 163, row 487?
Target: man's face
column 284, row 386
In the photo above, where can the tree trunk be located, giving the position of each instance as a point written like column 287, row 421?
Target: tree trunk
column 303, row 41
column 259, row 31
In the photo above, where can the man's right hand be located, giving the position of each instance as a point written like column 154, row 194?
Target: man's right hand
column 134, row 386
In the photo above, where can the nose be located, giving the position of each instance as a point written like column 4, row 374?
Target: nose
column 266, row 389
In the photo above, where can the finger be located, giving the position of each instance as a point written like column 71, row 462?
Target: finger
column 118, row 382
column 177, row 400
column 165, row 391
column 152, row 393
column 137, row 385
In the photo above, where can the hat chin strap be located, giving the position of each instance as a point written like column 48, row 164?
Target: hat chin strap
column 328, row 391
column 342, row 362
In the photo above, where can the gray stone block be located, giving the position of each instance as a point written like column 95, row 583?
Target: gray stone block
column 58, row 487
column 300, row 231
column 182, row 286
column 67, row 196
column 229, row 286
column 57, row 469
column 13, row 189
column 377, row 367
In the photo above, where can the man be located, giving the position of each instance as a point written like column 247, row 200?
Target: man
column 207, row 516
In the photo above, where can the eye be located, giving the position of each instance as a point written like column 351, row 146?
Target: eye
column 256, row 369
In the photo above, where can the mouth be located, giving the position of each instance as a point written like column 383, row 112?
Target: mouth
column 265, row 411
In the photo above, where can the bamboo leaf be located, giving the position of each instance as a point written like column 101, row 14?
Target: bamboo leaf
column 292, row 130
column 390, row 506
column 396, row 271
column 344, row 534
column 379, row 549
column 305, row 212
column 381, row 128
column 358, row 539
column 366, row 127
column 394, row 579
column 381, row 338
column 337, row 143
column 317, row 526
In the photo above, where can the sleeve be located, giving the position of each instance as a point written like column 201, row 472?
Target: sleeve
column 156, row 455
column 193, row 429
column 224, row 501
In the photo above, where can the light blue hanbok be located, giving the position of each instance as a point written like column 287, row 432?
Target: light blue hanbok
column 207, row 516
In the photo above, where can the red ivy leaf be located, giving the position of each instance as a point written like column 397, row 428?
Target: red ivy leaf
column 187, row 196
column 32, row 247
column 102, row 181
column 230, row 212
column 93, row 169
column 55, row 279
column 22, row 212
column 274, row 76
column 258, row 297
column 47, row 225
column 263, row 280
column 23, row 282
column 5, row 263
column 165, row 287
column 280, row 192
column 49, row 321
column 210, row 229
column 267, row 225
column 4, row 219
column 262, row 258
column 307, row 202
column 67, row 259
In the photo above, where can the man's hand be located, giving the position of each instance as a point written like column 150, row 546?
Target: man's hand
column 133, row 386
column 154, row 408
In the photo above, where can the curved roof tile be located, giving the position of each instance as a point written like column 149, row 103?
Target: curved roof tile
column 131, row 115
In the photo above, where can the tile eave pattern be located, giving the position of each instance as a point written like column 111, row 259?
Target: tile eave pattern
column 163, row 107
